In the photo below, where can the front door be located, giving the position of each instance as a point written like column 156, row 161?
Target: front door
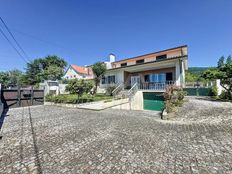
column 135, row 79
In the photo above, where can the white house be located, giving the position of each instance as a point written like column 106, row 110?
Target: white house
column 78, row 72
column 152, row 71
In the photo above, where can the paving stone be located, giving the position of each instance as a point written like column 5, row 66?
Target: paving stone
column 49, row 139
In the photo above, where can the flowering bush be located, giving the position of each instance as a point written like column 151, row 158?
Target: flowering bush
column 173, row 96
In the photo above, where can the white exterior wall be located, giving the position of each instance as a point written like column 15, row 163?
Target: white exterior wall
column 219, row 87
column 108, row 65
column 70, row 74
column 178, row 73
column 119, row 77
column 183, row 74
column 136, row 103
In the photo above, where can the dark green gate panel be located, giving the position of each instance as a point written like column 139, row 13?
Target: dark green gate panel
column 204, row 91
column 191, row 91
column 153, row 101
column 198, row 91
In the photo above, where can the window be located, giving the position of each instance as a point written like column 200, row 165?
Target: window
column 123, row 64
column 103, row 80
column 161, row 57
column 108, row 79
column 157, row 77
column 161, row 77
column 139, row 61
column 111, row 79
column 169, row 76
column 154, row 78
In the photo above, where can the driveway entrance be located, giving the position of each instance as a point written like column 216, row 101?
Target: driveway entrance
column 153, row 101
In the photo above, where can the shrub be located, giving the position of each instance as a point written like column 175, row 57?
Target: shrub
column 225, row 95
column 79, row 87
column 73, row 99
column 170, row 107
column 173, row 96
column 214, row 91
column 109, row 90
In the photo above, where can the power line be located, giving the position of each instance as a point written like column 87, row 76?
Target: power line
column 17, row 43
column 56, row 45
column 13, row 46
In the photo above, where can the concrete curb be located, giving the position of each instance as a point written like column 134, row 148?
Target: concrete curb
column 87, row 106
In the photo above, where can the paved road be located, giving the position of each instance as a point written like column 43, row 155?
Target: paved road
column 63, row 140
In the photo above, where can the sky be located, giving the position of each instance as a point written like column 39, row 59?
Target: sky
column 86, row 31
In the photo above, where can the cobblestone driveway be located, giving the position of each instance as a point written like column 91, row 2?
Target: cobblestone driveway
column 48, row 139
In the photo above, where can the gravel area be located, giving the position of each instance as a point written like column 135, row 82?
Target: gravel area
column 49, row 139
column 202, row 109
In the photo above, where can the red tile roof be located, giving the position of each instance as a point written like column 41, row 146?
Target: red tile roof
column 80, row 69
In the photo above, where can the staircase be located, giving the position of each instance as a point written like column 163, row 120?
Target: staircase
column 121, row 93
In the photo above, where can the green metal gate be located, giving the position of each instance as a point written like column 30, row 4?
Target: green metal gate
column 153, row 101
column 198, row 91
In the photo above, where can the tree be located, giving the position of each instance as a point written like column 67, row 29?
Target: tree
column 11, row 78
column 99, row 70
column 78, row 87
column 224, row 73
column 221, row 61
column 189, row 77
column 225, row 76
column 4, row 79
column 52, row 72
column 16, row 78
column 48, row 68
column 229, row 59
column 210, row 74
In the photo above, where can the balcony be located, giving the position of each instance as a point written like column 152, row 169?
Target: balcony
column 155, row 86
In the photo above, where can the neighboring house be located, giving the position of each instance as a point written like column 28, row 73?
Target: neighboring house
column 153, row 71
column 78, row 72
column 52, row 87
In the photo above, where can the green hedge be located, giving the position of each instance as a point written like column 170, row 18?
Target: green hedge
column 73, row 99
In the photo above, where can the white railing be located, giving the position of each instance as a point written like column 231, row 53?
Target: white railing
column 119, row 87
column 155, row 85
column 132, row 92
column 133, row 89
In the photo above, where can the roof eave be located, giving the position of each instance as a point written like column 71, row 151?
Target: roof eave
column 156, row 61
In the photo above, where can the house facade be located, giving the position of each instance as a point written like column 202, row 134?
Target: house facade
column 153, row 71
column 78, row 72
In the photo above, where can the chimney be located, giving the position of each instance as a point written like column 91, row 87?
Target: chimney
column 112, row 57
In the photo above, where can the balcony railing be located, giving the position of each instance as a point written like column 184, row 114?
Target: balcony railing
column 158, row 86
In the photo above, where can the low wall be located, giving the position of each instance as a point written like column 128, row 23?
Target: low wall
column 136, row 103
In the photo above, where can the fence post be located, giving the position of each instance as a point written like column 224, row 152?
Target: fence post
column 32, row 95
column 1, row 104
column 19, row 97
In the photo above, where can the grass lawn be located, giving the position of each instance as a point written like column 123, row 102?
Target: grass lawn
column 73, row 98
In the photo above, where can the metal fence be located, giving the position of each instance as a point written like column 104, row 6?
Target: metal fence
column 198, row 91
column 12, row 98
